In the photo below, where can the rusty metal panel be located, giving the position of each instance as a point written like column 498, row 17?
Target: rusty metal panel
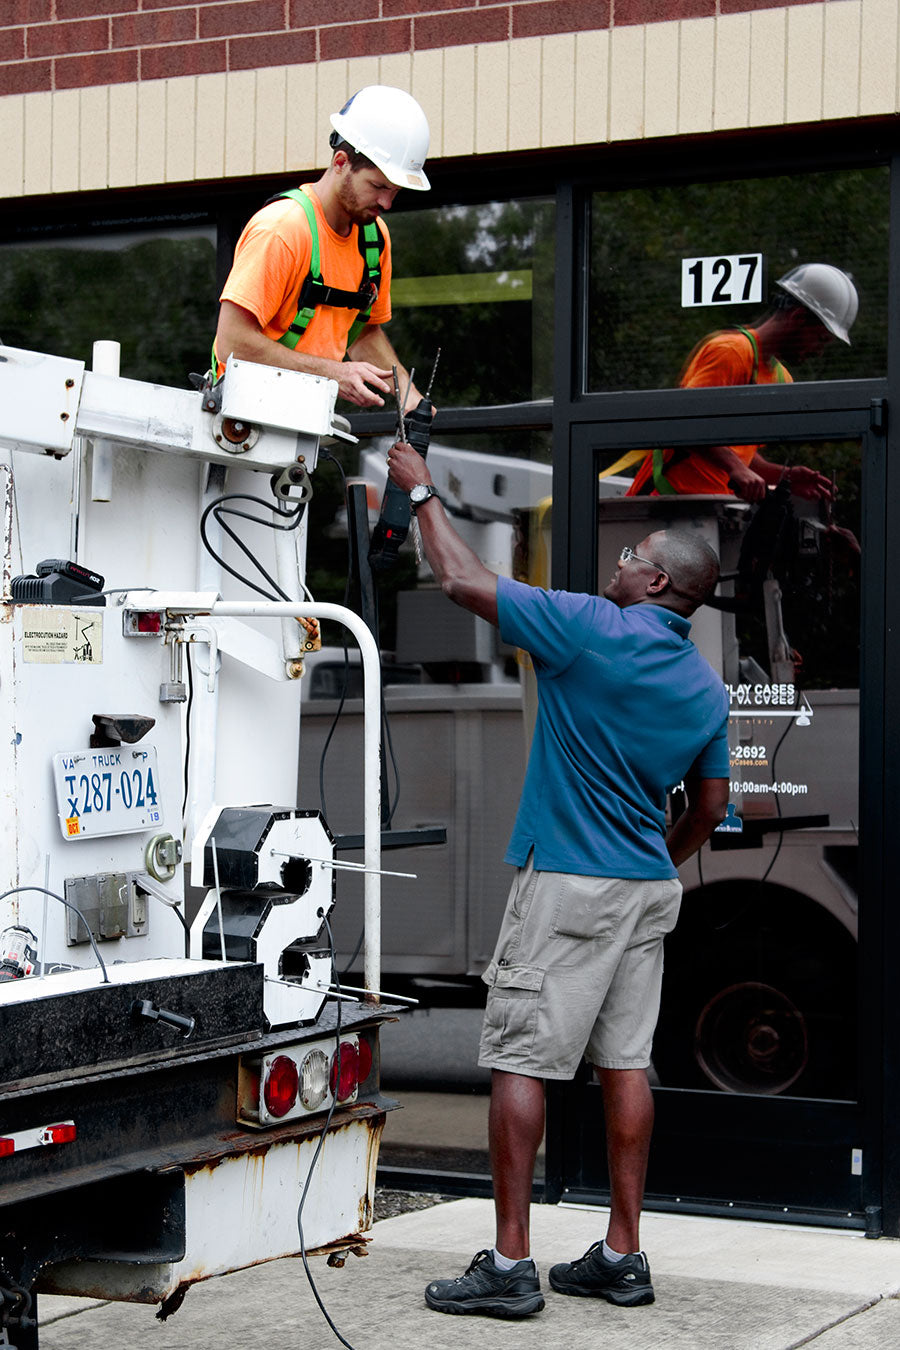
column 242, row 1211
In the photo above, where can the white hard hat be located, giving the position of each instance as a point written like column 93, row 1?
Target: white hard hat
column 828, row 292
column 389, row 128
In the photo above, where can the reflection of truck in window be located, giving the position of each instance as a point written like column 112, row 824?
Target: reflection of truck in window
column 759, row 991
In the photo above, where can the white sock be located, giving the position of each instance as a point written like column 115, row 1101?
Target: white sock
column 610, row 1254
column 506, row 1262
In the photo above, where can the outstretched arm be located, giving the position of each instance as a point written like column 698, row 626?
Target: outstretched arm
column 462, row 575
column 804, row 481
column 707, row 803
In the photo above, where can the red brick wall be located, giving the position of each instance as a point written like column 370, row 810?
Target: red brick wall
column 71, row 44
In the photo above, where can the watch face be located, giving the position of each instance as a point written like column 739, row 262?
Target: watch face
column 420, row 493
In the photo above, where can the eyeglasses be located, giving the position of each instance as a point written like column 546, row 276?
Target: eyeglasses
column 628, row 555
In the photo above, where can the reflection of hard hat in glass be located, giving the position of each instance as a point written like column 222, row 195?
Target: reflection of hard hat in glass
column 827, row 292
column 389, row 128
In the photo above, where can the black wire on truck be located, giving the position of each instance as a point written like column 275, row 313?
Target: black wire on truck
column 312, row 1284
column 17, row 890
column 219, row 510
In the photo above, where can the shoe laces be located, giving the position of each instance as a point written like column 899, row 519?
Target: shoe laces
column 595, row 1246
column 478, row 1259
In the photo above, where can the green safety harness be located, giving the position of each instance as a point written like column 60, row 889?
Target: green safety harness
column 315, row 291
column 660, row 482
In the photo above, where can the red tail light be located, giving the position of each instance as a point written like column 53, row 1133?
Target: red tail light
column 365, row 1059
column 344, row 1071
column 282, row 1082
column 7, row 1146
column 58, row 1134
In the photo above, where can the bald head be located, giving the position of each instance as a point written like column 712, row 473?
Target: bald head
column 691, row 564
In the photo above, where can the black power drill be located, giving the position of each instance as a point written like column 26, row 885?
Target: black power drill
column 393, row 522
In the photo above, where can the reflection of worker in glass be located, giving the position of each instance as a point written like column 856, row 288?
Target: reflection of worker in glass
column 816, row 303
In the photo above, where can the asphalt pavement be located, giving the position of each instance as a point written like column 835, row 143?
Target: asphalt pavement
column 721, row 1284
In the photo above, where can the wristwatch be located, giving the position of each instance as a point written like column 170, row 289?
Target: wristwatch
column 420, row 493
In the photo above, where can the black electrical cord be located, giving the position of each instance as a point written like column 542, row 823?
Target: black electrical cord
column 312, row 1284
column 385, row 722
column 219, row 511
column 17, row 890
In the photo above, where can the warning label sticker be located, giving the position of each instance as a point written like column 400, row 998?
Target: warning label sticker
column 62, row 636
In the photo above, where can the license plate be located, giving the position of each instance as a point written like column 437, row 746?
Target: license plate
column 113, row 791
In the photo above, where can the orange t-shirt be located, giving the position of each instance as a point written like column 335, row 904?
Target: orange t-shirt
column 725, row 358
column 271, row 263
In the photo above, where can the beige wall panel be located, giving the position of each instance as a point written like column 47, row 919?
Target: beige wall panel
column 805, row 54
column 38, row 142
column 332, row 91
column 731, row 103
column 300, row 149
column 151, row 128
column 661, row 79
column 428, row 88
column 768, row 56
column 271, row 121
column 93, row 162
column 491, row 98
column 361, row 70
column 878, row 62
column 396, row 69
column 64, row 154
column 524, row 79
column 840, row 85
column 209, row 128
column 459, row 100
column 698, row 51
column 181, row 115
column 626, row 84
column 12, row 147
column 557, row 89
column 240, row 123
column 122, row 170
column 591, row 87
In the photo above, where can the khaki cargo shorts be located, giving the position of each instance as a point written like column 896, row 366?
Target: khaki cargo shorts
column 577, row 971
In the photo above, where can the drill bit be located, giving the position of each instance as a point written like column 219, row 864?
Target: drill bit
column 401, row 406
column 433, row 370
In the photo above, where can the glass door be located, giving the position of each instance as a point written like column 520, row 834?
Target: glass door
column 760, row 1071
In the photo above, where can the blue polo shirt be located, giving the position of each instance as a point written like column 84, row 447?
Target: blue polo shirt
column 626, row 707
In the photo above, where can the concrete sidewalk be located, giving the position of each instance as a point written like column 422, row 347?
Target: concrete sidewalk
column 720, row 1285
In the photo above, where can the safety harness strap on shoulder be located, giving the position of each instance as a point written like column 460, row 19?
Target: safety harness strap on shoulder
column 314, row 290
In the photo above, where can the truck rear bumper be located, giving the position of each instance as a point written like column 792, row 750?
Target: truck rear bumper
column 227, row 1213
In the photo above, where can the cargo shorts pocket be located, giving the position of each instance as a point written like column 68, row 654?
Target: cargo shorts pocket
column 588, row 907
column 510, row 1017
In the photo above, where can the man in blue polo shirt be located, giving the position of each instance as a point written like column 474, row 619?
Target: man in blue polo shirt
column 627, row 709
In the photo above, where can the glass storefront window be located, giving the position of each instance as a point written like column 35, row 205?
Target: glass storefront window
column 646, row 317
column 476, row 282
column 154, row 292
column 761, row 972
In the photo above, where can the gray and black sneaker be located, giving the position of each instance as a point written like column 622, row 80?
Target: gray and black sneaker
column 625, row 1282
column 487, row 1291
